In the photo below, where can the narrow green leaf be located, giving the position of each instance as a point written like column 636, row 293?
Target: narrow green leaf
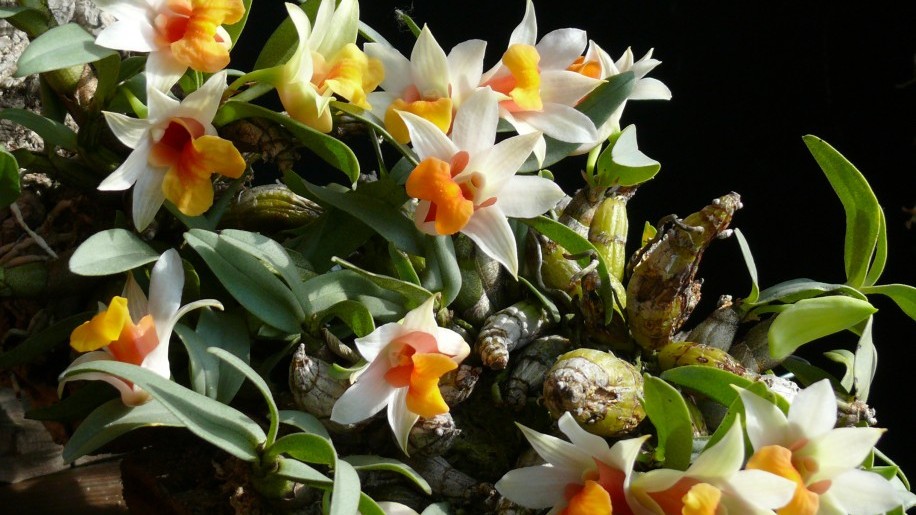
column 367, row 506
column 668, row 412
column 352, row 313
column 9, row 179
column 51, row 132
column 754, row 295
column 107, row 71
column 38, row 345
column 863, row 212
column 279, row 47
column 27, row 19
column 60, row 47
column 408, row 22
column 111, row 252
column 249, row 281
column 880, row 259
column 235, row 30
column 866, row 362
column 807, row 374
column 333, row 151
column 413, row 295
column 215, row 422
column 799, row 289
column 345, row 496
column 204, row 367
column 77, row 405
column 112, row 420
column 305, row 447
column 847, row 359
column 903, row 295
column 364, row 462
column 259, row 383
column 328, row 289
column 227, row 331
column 301, row 473
column 304, row 422
column 810, row 319
column 713, row 383
column 269, row 251
column 402, row 264
column 545, row 301
column 442, row 273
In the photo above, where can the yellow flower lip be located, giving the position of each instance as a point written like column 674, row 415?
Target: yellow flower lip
column 419, row 372
column 190, row 30
column 523, row 85
column 349, row 73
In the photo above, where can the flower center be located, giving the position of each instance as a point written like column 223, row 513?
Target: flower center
column 689, row 497
column 523, row 84
column 191, row 29
column 451, row 202
column 588, row 68
column 113, row 328
column 437, row 111
column 349, row 73
column 778, row 460
column 419, row 372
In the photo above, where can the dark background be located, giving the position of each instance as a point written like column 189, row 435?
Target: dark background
column 748, row 80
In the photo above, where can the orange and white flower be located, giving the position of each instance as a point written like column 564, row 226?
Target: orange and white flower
column 430, row 85
column 713, row 484
column 176, row 149
column 136, row 330
column 582, row 476
column 468, row 183
column 822, row 461
column 406, row 360
column 539, row 87
column 326, row 62
column 178, row 34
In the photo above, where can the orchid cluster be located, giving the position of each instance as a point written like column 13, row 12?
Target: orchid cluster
column 460, row 261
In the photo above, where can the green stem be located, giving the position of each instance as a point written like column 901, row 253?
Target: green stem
column 382, row 170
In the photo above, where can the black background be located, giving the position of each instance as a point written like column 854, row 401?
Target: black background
column 748, row 80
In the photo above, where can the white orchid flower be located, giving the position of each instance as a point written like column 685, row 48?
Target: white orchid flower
column 326, row 62
column 540, row 90
column 178, row 34
column 468, row 184
column 136, row 330
column 597, row 63
column 714, row 483
column 176, row 149
column 822, row 461
column 583, row 475
column 406, row 360
column 430, row 85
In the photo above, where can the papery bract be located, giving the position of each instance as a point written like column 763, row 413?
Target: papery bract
column 406, row 360
column 176, row 150
column 468, row 183
column 178, row 34
column 583, row 475
column 136, row 330
column 821, row 460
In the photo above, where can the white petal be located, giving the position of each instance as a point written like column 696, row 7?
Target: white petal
column 396, row 508
column 131, row 170
column 161, row 107
column 465, row 68
column 593, row 445
column 813, row 412
column 761, row 489
column 203, row 103
column 722, row 459
column 421, row 318
column 299, row 66
column 364, row 398
column 657, row 480
column 559, row 453
column 527, row 31
column 370, row 345
column 475, row 124
column 566, row 87
column 125, row 10
column 650, row 89
column 828, row 504
column 429, row 66
column 500, row 163
column 128, row 130
column 137, row 303
column 427, row 139
column 864, row 493
column 490, row 230
column 163, row 70
column 765, row 423
column 419, row 217
column 537, row 487
column 559, row 48
column 342, row 29
column 132, row 35
column 400, row 418
column 561, row 122
column 527, row 196
column 147, row 197
column 165, row 285
column 397, row 67
column 129, row 395
column 839, row 450
column 623, row 454
column 451, row 343
column 596, row 53
column 322, row 24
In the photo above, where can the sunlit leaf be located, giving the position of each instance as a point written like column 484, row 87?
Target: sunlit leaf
column 807, row 374
column 713, row 383
column 810, row 319
column 51, row 132
column 668, row 412
column 754, row 295
column 866, row 362
column 623, row 163
column 60, row 47
column 259, row 383
column 903, row 295
column 352, row 313
column 371, row 462
column 414, row 295
column 328, row 289
column 345, row 497
column 847, row 359
column 442, row 273
column 799, row 289
column 111, row 252
column 301, row 473
column 304, row 422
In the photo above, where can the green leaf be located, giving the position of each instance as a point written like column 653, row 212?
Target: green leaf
column 356, row 316
column 305, row 447
column 903, row 295
column 235, row 30
column 545, row 301
column 847, row 359
column 345, row 496
column 249, row 281
column 258, row 383
column 77, row 405
column 576, row 244
column 880, row 259
column 210, row 376
column 9, row 179
column 810, row 319
column 866, row 362
column 713, row 383
column 40, row 344
column 60, row 47
column 365, row 462
column 754, row 295
column 304, row 422
column 442, row 273
column 598, row 106
column 112, row 420
column 863, row 223
column 386, row 219
column 215, row 422
column 413, row 295
column 27, row 19
column 328, row 289
column 807, row 374
column 333, row 151
column 367, row 506
column 401, row 262
column 111, row 252
column 623, row 163
column 799, row 289
column 301, row 473
column 279, row 47
column 269, row 251
column 668, row 412
column 51, row 132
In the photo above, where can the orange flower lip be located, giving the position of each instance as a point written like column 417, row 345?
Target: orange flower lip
column 418, row 366
column 451, row 208
column 190, row 29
